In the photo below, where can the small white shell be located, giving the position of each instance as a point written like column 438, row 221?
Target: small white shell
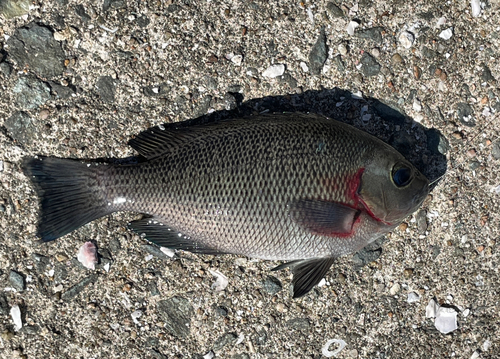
column 274, row 71
column 351, row 27
column 331, row 353
column 446, row 320
column 15, row 313
column 476, row 7
column 87, row 255
column 221, row 282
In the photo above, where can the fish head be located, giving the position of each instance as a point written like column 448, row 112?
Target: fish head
column 391, row 187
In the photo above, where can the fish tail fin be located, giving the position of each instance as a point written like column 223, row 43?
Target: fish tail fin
column 69, row 192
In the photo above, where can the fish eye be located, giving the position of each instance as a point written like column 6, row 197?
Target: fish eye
column 401, row 176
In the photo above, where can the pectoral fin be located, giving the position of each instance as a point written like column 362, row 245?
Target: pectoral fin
column 324, row 217
column 307, row 273
column 161, row 234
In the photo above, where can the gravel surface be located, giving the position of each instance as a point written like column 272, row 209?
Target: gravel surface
column 80, row 78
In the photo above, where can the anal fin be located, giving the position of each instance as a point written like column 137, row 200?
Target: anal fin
column 162, row 235
column 307, row 273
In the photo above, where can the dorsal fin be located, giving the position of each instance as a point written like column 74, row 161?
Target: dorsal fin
column 165, row 138
column 159, row 140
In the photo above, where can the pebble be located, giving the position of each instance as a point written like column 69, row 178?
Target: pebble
column 421, row 218
column 30, row 92
column 396, row 59
column 406, row 39
column 486, row 75
column 370, row 66
column 105, row 87
column 34, row 47
column 212, row 59
column 375, row 52
column 408, row 273
column 340, row 64
column 221, row 342
column 358, row 79
column 230, row 102
column 17, row 280
column 365, row 256
column 14, row 8
column 44, row 114
column 318, row 54
column 417, row 72
column 221, row 310
column 471, row 153
column 395, row 289
column 298, row 323
column 465, row 114
column 176, row 312
column 4, row 305
column 495, row 150
column 373, row 33
column 271, row 285
column 79, row 287
column 304, row 66
column 343, row 50
column 5, row 68
column 431, row 309
column 274, row 71
column 334, row 10
column 441, row 21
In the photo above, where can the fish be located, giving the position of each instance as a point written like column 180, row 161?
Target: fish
column 294, row 187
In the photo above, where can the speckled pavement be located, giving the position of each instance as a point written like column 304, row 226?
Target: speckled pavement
column 80, row 78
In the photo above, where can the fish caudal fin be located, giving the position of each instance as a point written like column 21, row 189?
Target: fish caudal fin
column 69, row 193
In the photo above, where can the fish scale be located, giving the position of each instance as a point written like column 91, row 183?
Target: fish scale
column 286, row 186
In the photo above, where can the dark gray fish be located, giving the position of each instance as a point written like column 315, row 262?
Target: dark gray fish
column 294, row 187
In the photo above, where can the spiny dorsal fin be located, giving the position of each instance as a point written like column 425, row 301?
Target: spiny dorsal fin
column 159, row 140
column 165, row 138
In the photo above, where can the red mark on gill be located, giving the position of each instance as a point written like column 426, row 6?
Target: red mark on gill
column 353, row 187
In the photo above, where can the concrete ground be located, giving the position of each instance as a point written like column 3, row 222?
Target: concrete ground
column 80, row 78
